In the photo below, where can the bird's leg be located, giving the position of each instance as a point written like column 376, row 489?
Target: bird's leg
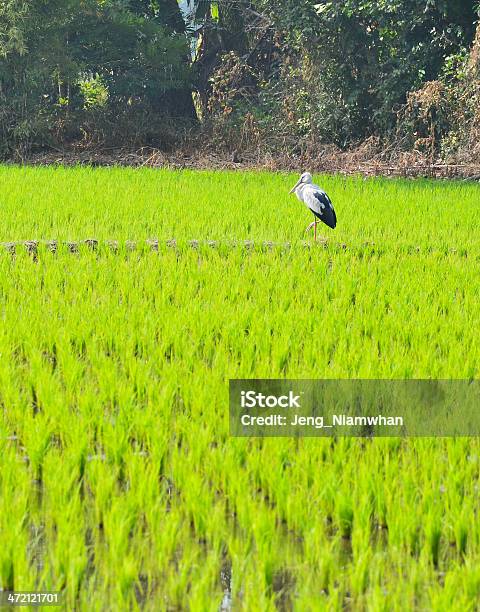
column 313, row 224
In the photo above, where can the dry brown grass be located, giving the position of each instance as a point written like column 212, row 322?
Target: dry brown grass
column 368, row 159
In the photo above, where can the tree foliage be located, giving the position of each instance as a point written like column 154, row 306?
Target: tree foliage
column 351, row 64
column 280, row 71
column 102, row 66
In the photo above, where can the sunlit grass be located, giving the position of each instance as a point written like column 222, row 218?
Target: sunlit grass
column 136, row 204
column 119, row 483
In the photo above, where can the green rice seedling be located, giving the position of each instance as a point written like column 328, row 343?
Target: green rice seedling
column 120, row 484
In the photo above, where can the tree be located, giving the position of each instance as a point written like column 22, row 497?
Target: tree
column 128, row 58
column 361, row 58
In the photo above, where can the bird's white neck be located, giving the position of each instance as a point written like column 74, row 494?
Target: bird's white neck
column 299, row 190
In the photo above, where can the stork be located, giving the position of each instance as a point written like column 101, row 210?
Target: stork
column 316, row 200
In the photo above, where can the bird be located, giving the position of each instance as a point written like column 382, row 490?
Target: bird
column 316, row 200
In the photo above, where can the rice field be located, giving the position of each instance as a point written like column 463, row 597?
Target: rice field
column 119, row 482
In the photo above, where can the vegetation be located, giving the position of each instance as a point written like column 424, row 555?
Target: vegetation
column 251, row 74
column 103, row 70
column 120, row 484
column 341, row 71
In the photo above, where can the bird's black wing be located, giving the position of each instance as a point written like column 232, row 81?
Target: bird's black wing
column 321, row 206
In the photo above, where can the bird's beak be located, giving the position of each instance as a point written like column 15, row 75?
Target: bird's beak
column 296, row 185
